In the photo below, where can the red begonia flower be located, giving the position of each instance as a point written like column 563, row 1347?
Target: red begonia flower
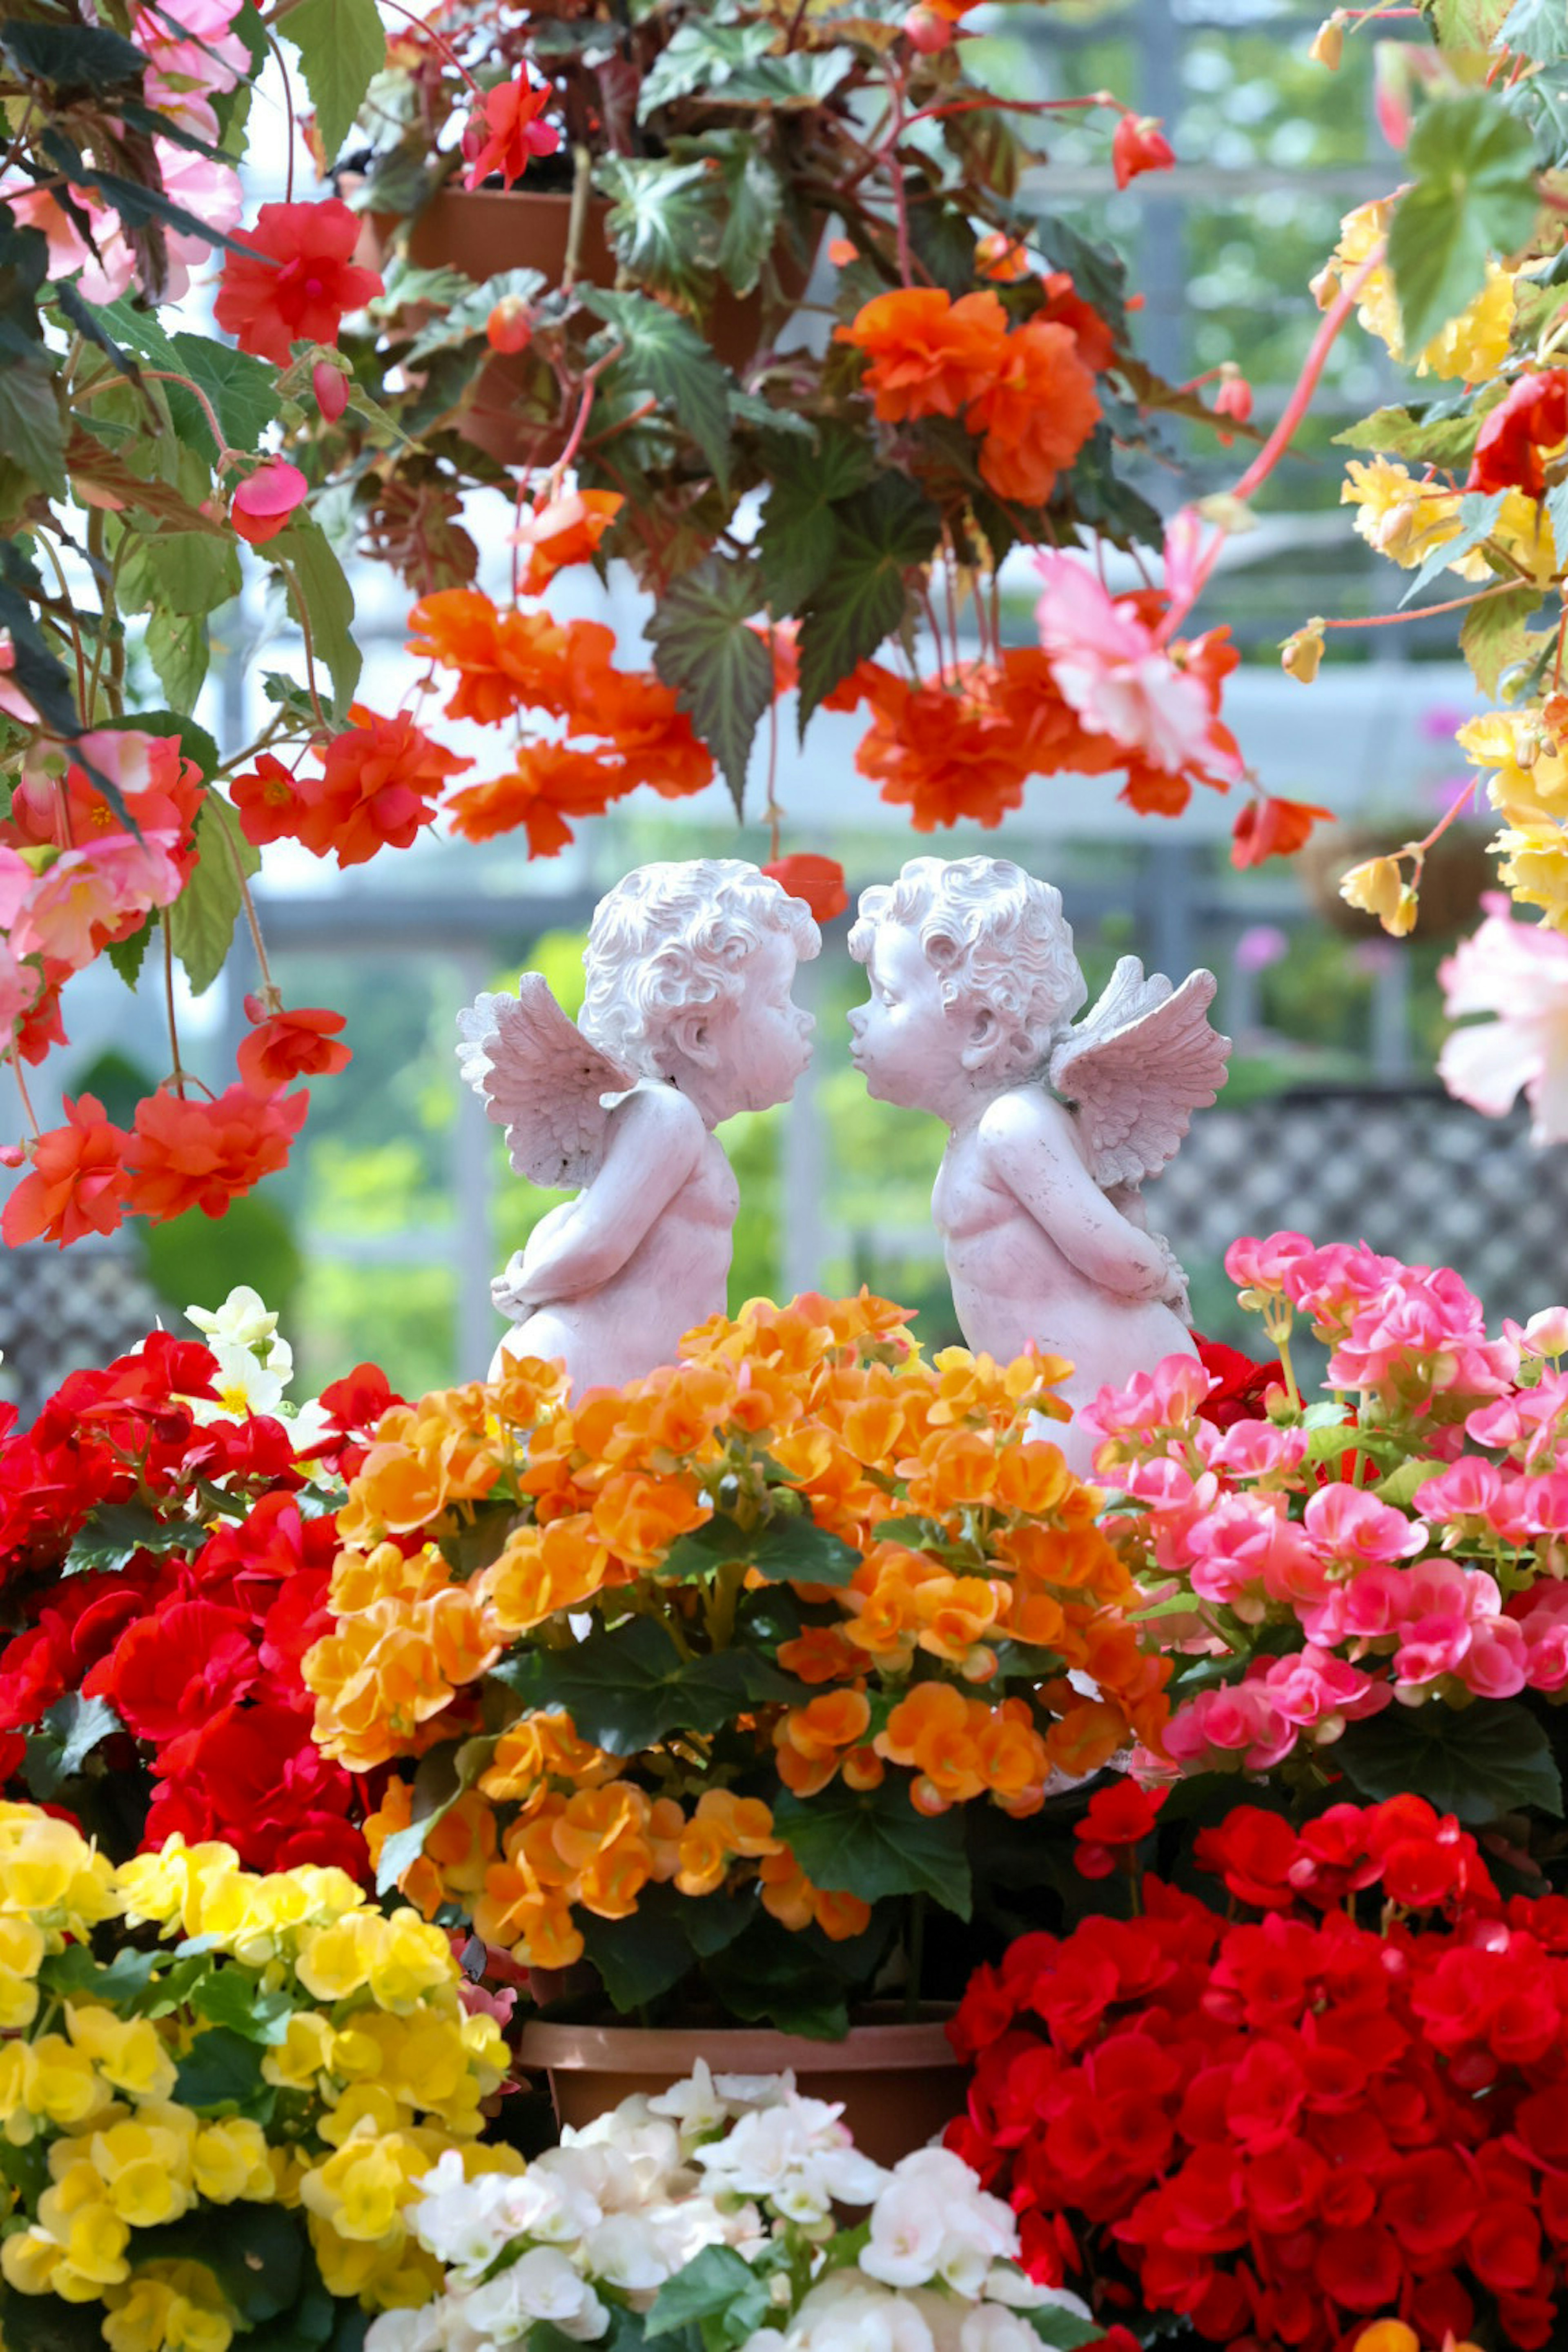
column 77, row 1181
column 819, row 881
column 292, row 279
column 262, row 505
column 1272, row 828
column 1139, row 146
column 1513, row 442
column 504, row 132
column 283, row 1047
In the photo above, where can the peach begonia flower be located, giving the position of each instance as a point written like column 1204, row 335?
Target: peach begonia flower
column 76, row 1183
column 1111, row 667
column 1517, row 972
column 185, row 1154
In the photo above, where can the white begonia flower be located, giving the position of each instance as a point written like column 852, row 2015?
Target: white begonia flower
column 991, row 2327
column 466, row 2223
column 244, row 1385
column 636, row 2138
column 1007, row 2283
column 310, row 1426
column 755, row 2089
column 408, row 2331
column 696, row 2105
column 543, row 2284
column 243, row 1317
column 847, row 2313
column 797, row 2155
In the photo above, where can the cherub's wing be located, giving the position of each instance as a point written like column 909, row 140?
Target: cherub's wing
column 541, row 1080
column 1138, row 1067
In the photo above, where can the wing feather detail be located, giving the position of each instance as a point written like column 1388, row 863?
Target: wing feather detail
column 1138, row 1067
column 540, row 1080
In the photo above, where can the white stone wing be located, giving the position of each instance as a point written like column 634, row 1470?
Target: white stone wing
column 541, row 1080
column 1138, row 1067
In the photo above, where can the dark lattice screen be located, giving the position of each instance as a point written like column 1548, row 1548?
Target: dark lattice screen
column 64, row 1308
column 1406, row 1170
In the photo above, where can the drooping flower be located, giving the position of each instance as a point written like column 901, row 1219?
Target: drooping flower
column 1036, row 413
column 292, row 279
column 1518, row 973
column 819, row 881
column 186, row 1154
column 1267, row 828
column 379, row 785
column 929, row 355
column 1518, row 434
column 76, row 1183
column 264, row 503
column 548, row 784
column 505, row 133
column 268, row 801
column 1123, row 681
column 282, row 1047
column 1138, row 145
column 565, row 531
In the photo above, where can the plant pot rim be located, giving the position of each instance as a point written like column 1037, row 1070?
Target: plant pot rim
column 731, row 2050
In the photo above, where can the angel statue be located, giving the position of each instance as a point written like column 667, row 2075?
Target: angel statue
column 1053, row 1129
column 688, row 1019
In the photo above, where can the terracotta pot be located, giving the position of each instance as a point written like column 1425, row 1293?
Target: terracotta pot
column 1456, row 870
column 899, row 2085
column 483, row 230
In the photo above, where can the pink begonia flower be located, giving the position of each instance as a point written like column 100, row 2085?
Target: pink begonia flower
column 1321, row 1693
column 123, row 754
column 1166, row 1397
column 1258, row 1449
column 1518, row 973
column 1255, row 1265
column 1497, row 1664
column 1370, row 1606
column 1108, row 664
column 13, row 701
column 88, row 890
column 1473, row 1488
column 1162, row 1482
column 261, row 506
column 1541, row 1617
column 1545, row 1334
column 1247, row 1551
column 16, row 878
column 1530, row 1426
column 183, row 74
column 208, row 190
column 1352, row 1525
column 17, row 988
column 1235, row 1730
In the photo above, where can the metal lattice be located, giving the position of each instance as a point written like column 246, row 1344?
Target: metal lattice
column 61, row 1310
column 1405, row 1169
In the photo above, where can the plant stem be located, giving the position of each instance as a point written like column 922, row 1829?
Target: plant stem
column 49, row 547
column 288, row 108
column 268, row 986
column 302, row 616
column 30, row 1115
column 577, row 219
column 1453, row 604
column 445, row 46
column 1300, row 399
column 168, row 375
column 179, row 1074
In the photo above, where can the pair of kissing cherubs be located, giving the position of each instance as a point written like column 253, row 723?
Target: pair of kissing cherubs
column 688, row 1019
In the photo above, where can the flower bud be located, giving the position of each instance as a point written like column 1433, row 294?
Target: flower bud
column 1301, row 656
column 1233, row 397
column 509, row 327
column 1328, row 43
column 331, row 386
column 926, row 30
column 1547, row 1331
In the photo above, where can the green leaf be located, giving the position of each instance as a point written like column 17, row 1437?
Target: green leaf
column 799, row 533
column 42, row 2323
column 871, row 1842
column 258, row 2253
column 70, row 1730
column 117, row 1531
column 625, row 1687
column 752, row 205
column 1489, row 1760
column 882, row 533
column 1478, row 513
column 202, row 919
column 1412, row 432
column 700, row 56
column 1097, row 272
column 661, row 224
column 1538, row 29
column 74, row 59
column 1495, row 636
column 718, row 2284
column 179, row 647
column 220, row 2069
column 665, row 355
column 802, row 79
column 799, row 1982
column 641, row 1957
column 229, row 1997
column 1473, row 196
column 1063, row 2330
column 341, row 45
column 74, row 1971
column 318, row 584
column 719, row 669
column 184, row 571
column 785, row 1550
column 32, row 429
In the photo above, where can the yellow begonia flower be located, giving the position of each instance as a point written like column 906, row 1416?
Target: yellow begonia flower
column 92, row 2237
column 138, row 2315
column 1525, row 782
column 366, row 2106
column 195, row 2318
column 28, row 2261
column 230, row 2160
column 145, row 2172
column 175, row 1885
column 127, row 2052
column 333, row 1962
column 1472, row 346
column 1535, row 869
column 409, row 1959
column 305, row 2053
column 1407, row 518
column 56, row 2083
column 361, row 2189
column 49, row 1872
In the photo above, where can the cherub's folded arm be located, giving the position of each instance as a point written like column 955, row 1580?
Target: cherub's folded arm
column 653, row 1140
column 1028, row 1147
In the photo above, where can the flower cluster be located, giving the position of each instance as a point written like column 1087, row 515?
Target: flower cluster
column 1342, row 2096
column 167, row 1550
column 1314, row 1564
column 750, row 1640
column 623, row 729
column 716, row 2200
column 216, row 2135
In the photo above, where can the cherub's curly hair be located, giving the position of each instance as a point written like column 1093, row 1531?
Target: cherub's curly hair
column 993, row 933
column 675, row 939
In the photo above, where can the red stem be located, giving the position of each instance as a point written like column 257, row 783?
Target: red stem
column 447, row 51
column 1300, row 400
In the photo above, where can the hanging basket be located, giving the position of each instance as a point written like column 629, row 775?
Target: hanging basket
column 1455, row 872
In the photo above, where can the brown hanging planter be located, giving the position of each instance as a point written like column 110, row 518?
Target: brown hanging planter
column 482, row 231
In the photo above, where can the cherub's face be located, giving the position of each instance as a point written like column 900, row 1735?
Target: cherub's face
column 908, row 1046
column 761, row 1044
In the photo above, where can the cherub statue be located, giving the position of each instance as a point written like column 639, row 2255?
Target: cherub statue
column 688, row 1019
column 974, row 986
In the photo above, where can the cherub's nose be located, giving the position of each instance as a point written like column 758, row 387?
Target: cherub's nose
column 856, row 1018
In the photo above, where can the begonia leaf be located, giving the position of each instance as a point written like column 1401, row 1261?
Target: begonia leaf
column 202, row 919
column 798, row 534
column 880, row 535
column 719, row 666
column 343, row 46
column 1489, row 1761
column 1474, row 197
column 628, row 1685
column 718, row 2284
column 872, row 1842
column 785, row 1550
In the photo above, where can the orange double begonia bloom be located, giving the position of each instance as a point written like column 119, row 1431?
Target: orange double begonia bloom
column 1036, row 413
column 539, row 1749
column 543, row 1571
column 950, row 751
column 640, row 1518
column 565, row 531
column 548, row 784
column 202, row 1155
column 929, row 356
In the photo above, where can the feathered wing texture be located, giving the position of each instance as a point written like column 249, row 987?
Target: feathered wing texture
column 541, row 1080
column 1138, row 1067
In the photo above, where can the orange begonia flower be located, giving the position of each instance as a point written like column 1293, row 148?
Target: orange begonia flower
column 565, row 531
column 818, row 881
column 379, row 785
column 283, row 1047
column 640, row 1518
column 1037, row 414
column 643, row 718
column 200, row 1155
column 505, row 661
column 549, row 782
column 76, row 1183
column 930, row 355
